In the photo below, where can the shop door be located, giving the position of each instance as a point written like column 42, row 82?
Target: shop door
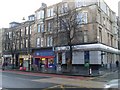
column 37, row 61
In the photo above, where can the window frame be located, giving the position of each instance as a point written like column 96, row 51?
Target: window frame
column 38, row 44
column 38, row 28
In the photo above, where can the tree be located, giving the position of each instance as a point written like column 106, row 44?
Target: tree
column 67, row 22
column 12, row 45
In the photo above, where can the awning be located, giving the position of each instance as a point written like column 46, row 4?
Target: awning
column 7, row 55
column 43, row 56
column 97, row 46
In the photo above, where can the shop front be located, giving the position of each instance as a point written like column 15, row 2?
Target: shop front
column 7, row 58
column 88, row 59
column 43, row 60
column 24, row 61
column 12, row 61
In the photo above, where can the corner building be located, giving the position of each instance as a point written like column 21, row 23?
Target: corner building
column 43, row 42
column 96, row 42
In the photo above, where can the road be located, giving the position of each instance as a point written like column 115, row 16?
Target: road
column 18, row 80
column 14, row 81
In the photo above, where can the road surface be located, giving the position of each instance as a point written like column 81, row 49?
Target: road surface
column 15, row 81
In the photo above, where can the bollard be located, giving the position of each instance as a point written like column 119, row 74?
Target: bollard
column 90, row 71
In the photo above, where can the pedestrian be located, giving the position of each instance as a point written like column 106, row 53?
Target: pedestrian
column 3, row 66
column 117, row 63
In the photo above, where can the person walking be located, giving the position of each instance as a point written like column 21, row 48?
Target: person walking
column 3, row 66
column 117, row 63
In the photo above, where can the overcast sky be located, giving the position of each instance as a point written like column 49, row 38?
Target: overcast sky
column 15, row 10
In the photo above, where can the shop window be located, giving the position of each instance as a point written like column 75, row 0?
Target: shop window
column 50, row 63
column 60, row 58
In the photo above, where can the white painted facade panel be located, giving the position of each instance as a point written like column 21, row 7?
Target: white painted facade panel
column 95, row 57
column 63, row 58
column 78, row 57
column 105, row 59
column 57, row 58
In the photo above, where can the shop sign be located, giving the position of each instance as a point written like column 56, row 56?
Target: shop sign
column 25, row 57
column 44, row 53
column 7, row 55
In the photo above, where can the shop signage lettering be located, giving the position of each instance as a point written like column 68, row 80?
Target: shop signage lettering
column 44, row 53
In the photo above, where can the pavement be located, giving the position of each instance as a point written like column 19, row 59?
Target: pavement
column 107, row 76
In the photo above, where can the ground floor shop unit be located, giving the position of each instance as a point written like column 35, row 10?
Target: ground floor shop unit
column 88, row 59
column 11, row 60
column 44, row 60
column 25, row 61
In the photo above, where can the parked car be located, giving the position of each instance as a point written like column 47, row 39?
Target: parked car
column 112, row 85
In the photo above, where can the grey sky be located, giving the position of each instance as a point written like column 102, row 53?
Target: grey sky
column 14, row 10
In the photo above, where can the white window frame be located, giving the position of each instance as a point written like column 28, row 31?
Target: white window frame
column 80, row 3
column 42, row 27
column 30, row 29
column 49, row 41
column 82, row 17
column 38, row 28
column 50, row 12
column 10, row 34
column 26, row 43
column 64, row 8
column 38, row 42
column 27, row 30
column 42, row 42
column 40, row 14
